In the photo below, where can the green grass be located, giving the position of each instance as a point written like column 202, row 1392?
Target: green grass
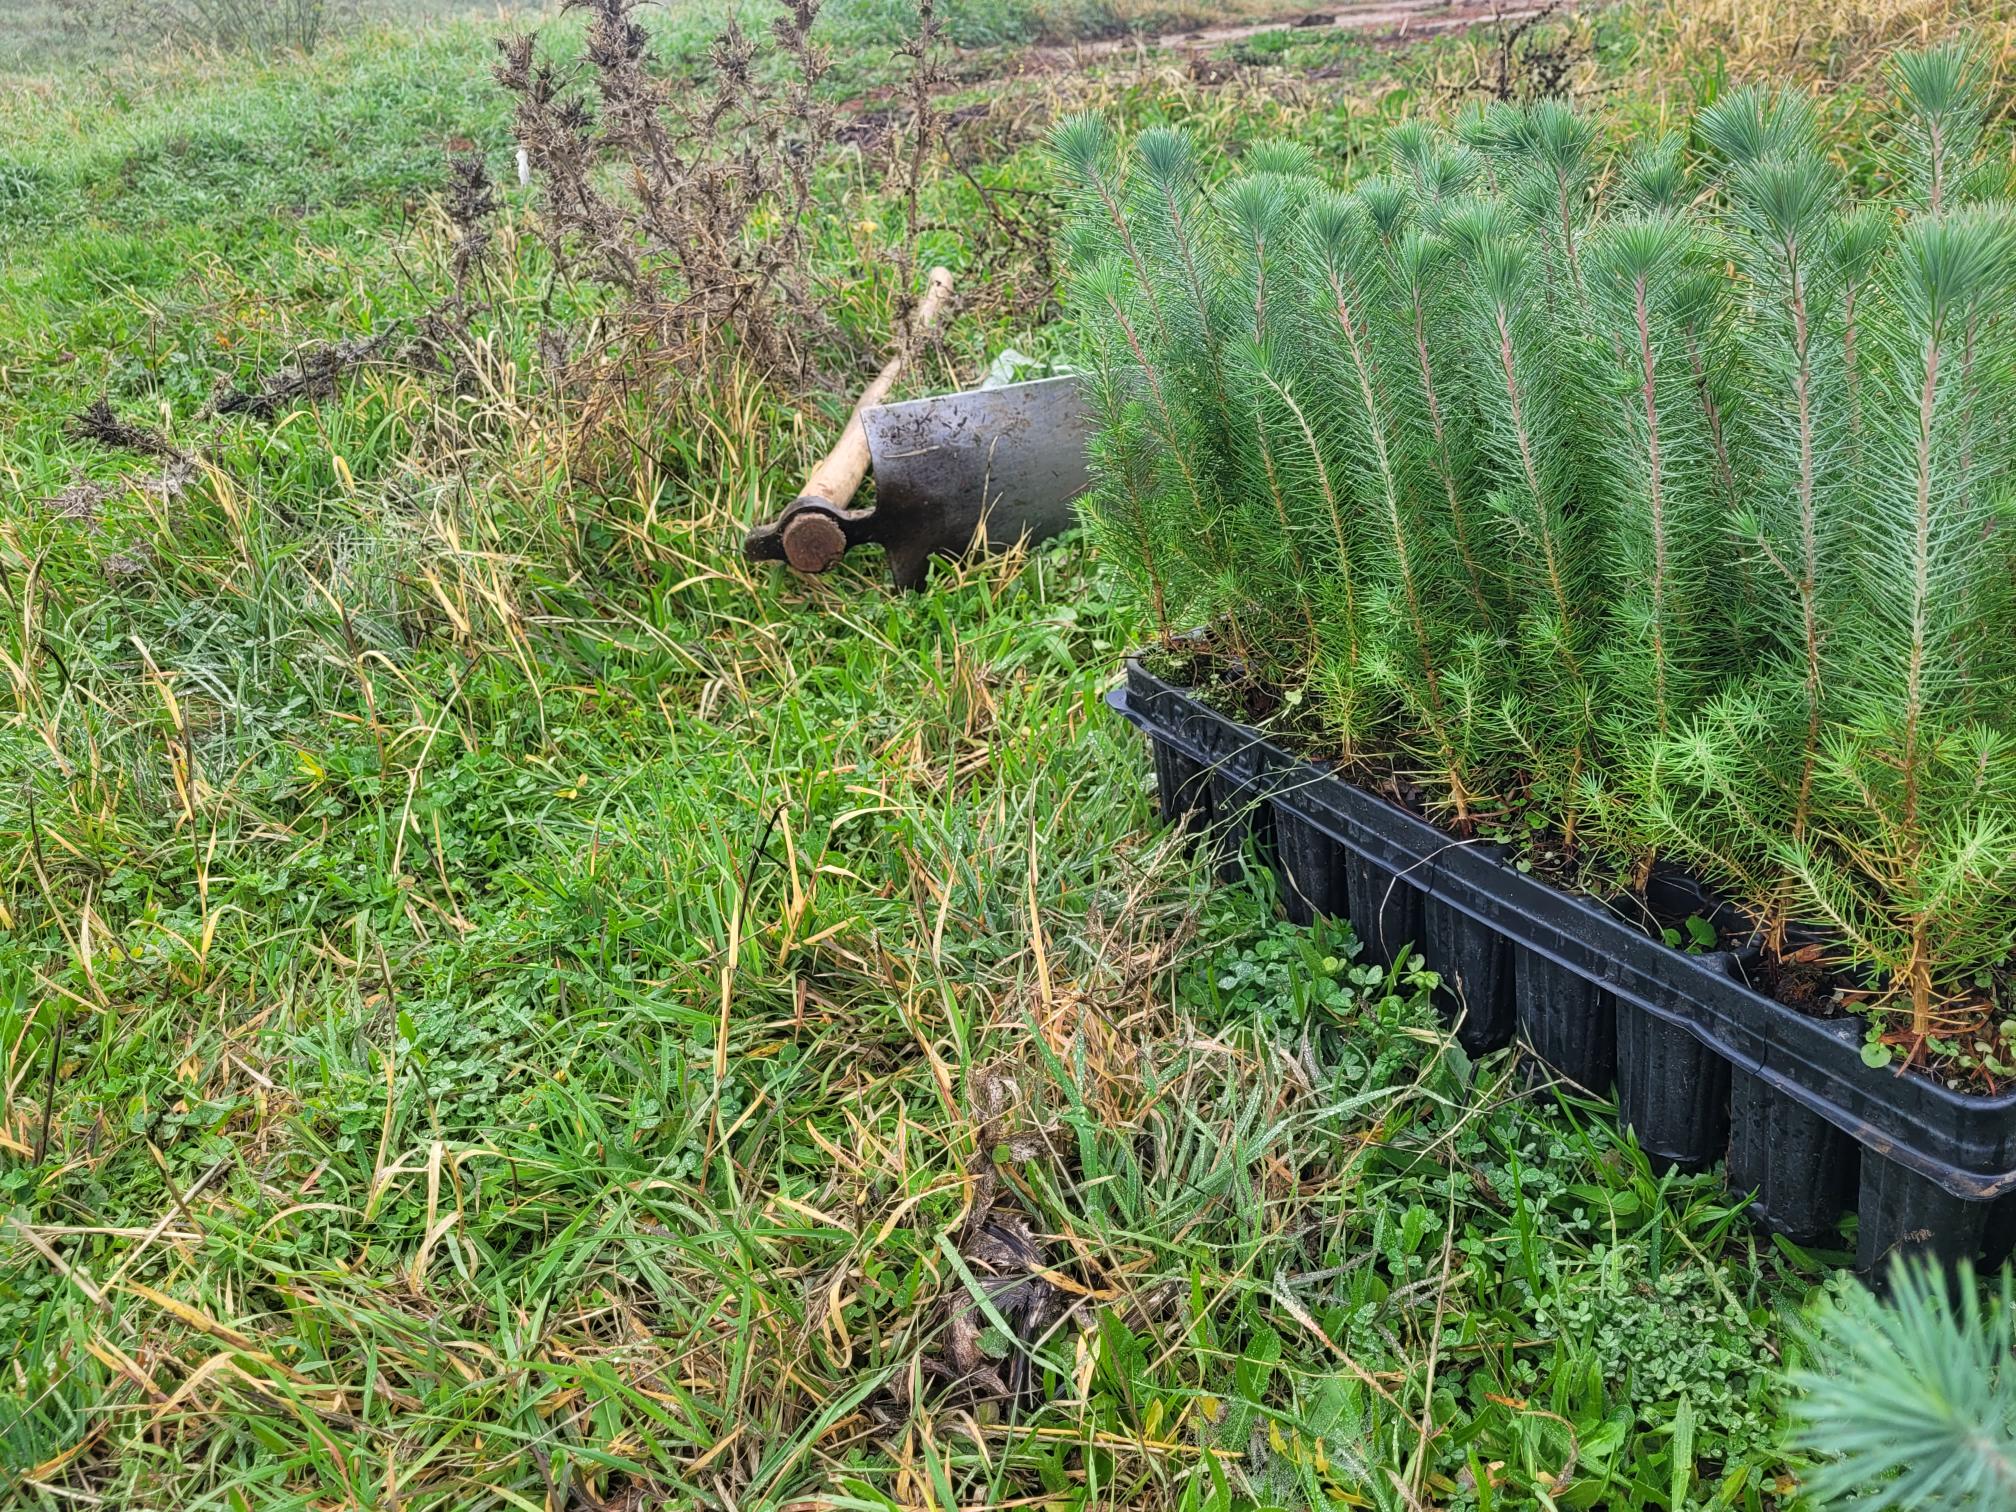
column 501, row 1002
column 53, row 35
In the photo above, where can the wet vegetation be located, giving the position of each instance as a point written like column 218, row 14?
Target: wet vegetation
column 504, row 1005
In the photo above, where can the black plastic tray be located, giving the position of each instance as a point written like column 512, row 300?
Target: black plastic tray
column 1705, row 1068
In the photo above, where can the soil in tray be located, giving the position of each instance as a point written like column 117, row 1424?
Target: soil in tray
column 1218, row 680
column 1223, row 684
column 1799, row 979
column 1973, row 1041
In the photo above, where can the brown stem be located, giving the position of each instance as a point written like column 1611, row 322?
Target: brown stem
column 1328, row 490
column 1657, row 481
column 1539, row 494
column 1459, row 521
column 1809, row 542
column 1281, row 518
column 1375, row 419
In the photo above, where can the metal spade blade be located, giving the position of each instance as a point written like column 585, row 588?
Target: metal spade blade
column 988, row 467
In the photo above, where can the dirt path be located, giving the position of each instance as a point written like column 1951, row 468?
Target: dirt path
column 1402, row 18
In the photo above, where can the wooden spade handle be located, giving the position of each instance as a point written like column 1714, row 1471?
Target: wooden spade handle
column 834, row 480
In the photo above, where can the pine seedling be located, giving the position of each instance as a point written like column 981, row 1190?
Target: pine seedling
column 1558, row 148
column 1436, row 171
column 1388, row 208
column 1543, row 160
column 1182, row 240
column 1549, row 163
column 1528, row 429
column 1155, row 283
column 1172, row 224
column 1259, row 211
column 1752, row 123
column 1655, row 178
column 1097, row 226
column 1409, row 147
column 1862, row 236
column 1314, row 469
column 1706, row 313
column 1124, row 512
column 1909, row 1401
column 1141, row 440
column 1292, row 448
column 1348, row 267
column 1492, row 131
column 1167, row 503
column 1942, row 116
column 1790, row 450
column 1941, row 136
column 1433, row 401
column 1429, row 374
column 1664, row 522
column 1918, row 856
column 1290, row 161
column 1724, row 796
column 1943, row 112
column 1784, row 223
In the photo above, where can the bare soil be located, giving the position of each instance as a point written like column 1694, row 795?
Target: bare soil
column 1400, row 19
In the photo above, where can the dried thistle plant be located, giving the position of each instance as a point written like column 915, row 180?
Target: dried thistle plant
column 926, row 73
column 98, row 423
column 693, row 204
column 471, row 205
column 441, row 341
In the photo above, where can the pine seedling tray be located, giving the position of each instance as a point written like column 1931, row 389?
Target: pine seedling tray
column 1705, row 1068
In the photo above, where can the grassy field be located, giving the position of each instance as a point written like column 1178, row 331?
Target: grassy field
column 503, row 1005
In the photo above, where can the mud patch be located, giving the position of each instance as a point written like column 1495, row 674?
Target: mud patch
column 1397, row 20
